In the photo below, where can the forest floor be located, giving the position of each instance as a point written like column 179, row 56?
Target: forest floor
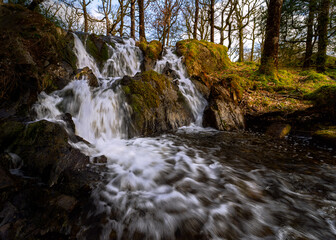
column 290, row 91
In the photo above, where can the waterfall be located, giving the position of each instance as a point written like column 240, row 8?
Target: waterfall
column 138, row 168
column 188, row 89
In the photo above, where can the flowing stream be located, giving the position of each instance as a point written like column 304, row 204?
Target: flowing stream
column 197, row 183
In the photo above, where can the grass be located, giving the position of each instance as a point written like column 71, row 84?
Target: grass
column 287, row 91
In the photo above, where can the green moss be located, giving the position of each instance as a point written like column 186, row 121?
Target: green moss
column 152, row 49
column 313, row 76
column 204, row 59
column 145, row 93
column 324, row 96
column 97, row 48
column 9, row 131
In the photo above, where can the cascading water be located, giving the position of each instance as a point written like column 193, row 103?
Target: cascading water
column 188, row 89
column 186, row 185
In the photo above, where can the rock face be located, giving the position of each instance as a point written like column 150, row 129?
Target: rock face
column 151, row 52
column 58, row 182
column 87, row 74
column 45, row 151
column 157, row 104
column 35, row 56
column 205, row 63
column 222, row 112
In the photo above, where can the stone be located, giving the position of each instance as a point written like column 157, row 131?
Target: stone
column 222, row 112
column 278, row 130
column 326, row 135
column 86, row 73
column 157, row 104
column 68, row 203
column 5, row 179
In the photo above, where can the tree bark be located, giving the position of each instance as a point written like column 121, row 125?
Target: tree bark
column 133, row 19
column 107, row 22
column 269, row 58
column 141, row 20
column 241, row 44
column 86, row 25
column 121, row 29
column 322, row 29
column 212, row 23
column 310, row 33
column 196, row 19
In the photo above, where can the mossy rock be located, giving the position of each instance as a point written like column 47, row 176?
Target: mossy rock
column 313, row 76
column 152, row 52
column 97, row 48
column 157, row 105
column 326, row 136
column 9, row 131
column 204, row 60
column 31, row 44
column 324, row 96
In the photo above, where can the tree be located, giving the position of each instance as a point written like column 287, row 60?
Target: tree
column 323, row 19
column 269, row 57
column 196, row 19
column 310, row 34
column 106, row 9
column 212, row 21
column 243, row 17
column 142, row 34
column 133, row 19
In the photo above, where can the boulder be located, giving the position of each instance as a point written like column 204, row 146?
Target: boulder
column 278, row 130
column 157, row 105
column 35, row 56
column 86, row 73
column 45, row 151
column 152, row 51
column 326, row 136
column 222, row 112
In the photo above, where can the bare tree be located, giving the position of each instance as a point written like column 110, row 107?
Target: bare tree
column 142, row 34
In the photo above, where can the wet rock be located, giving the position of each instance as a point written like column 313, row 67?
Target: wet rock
column 67, row 118
column 5, row 179
column 157, row 105
column 169, row 72
column 100, row 159
column 9, row 131
column 152, row 52
column 222, row 112
column 45, row 151
column 68, row 203
column 86, row 73
column 278, row 130
column 326, row 136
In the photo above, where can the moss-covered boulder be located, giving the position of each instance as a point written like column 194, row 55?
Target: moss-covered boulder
column 326, row 136
column 204, row 61
column 35, row 55
column 151, row 53
column 45, row 151
column 156, row 104
column 222, row 112
column 98, row 48
column 324, row 98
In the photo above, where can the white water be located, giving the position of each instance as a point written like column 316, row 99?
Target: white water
column 188, row 89
column 154, row 187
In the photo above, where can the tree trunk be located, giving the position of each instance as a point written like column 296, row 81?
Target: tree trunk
column 196, row 19
column 212, row 30
column 107, row 24
column 310, row 33
column 86, row 25
column 141, row 20
column 229, row 36
column 121, row 29
column 269, row 58
column 133, row 19
column 241, row 44
column 322, row 30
